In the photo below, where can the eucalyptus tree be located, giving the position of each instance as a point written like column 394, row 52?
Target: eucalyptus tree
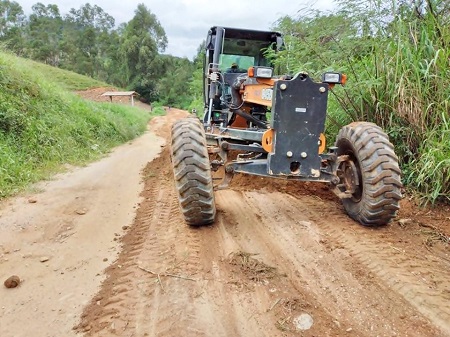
column 12, row 20
column 45, row 30
column 142, row 40
column 86, row 38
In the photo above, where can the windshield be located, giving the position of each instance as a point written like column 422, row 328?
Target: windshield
column 242, row 62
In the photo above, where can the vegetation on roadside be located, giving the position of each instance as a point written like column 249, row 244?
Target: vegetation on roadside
column 397, row 58
column 43, row 126
column 66, row 79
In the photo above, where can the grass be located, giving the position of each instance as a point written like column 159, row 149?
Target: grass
column 44, row 126
column 399, row 78
column 409, row 98
column 158, row 109
column 66, row 79
column 431, row 170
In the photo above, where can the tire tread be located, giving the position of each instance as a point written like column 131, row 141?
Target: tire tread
column 192, row 172
column 381, row 182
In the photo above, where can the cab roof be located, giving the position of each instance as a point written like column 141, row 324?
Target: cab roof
column 247, row 34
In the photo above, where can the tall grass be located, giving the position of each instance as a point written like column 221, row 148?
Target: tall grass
column 431, row 169
column 42, row 126
column 407, row 91
column 397, row 58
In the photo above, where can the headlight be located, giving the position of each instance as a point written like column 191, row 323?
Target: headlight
column 334, row 78
column 262, row 72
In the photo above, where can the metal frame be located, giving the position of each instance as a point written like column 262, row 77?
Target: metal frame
column 298, row 113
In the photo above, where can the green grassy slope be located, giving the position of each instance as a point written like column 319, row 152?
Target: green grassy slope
column 66, row 79
column 43, row 125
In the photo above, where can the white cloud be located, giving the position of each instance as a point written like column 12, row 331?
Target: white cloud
column 186, row 22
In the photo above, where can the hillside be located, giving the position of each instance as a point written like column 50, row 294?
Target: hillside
column 43, row 125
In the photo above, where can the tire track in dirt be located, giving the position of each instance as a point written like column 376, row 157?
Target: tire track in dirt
column 424, row 284
column 305, row 238
column 254, row 231
column 334, row 281
column 135, row 300
column 222, row 301
column 411, row 260
column 104, row 315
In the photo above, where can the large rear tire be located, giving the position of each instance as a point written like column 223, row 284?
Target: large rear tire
column 371, row 173
column 192, row 172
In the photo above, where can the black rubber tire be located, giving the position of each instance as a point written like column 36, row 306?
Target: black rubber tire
column 192, row 172
column 377, row 199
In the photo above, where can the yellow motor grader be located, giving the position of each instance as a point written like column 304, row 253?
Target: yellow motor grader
column 275, row 124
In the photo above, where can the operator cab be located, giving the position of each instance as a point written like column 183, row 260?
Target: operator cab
column 230, row 52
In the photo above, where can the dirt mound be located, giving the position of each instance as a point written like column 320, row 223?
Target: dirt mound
column 243, row 182
column 95, row 94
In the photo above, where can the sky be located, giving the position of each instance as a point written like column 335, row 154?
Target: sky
column 186, row 22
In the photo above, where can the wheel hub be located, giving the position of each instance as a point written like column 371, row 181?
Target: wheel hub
column 349, row 176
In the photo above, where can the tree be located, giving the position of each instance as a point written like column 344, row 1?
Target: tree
column 196, row 81
column 142, row 40
column 86, row 39
column 12, row 20
column 174, row 83
column 45, row 27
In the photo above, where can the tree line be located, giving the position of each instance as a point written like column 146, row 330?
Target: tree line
column 87, row 41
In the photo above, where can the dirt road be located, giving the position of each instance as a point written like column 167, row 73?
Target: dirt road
column 282, row 259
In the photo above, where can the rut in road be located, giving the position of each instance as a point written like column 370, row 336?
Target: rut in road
column 131, row 298
column 420, row 276
column 326, row 266
column 204, row 295
column 401, row 257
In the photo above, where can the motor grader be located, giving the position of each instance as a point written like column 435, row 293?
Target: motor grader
column 262, row 124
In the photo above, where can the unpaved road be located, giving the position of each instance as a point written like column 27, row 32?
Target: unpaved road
column 280, row 257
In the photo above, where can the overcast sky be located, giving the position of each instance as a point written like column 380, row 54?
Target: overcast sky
column 186, row 22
